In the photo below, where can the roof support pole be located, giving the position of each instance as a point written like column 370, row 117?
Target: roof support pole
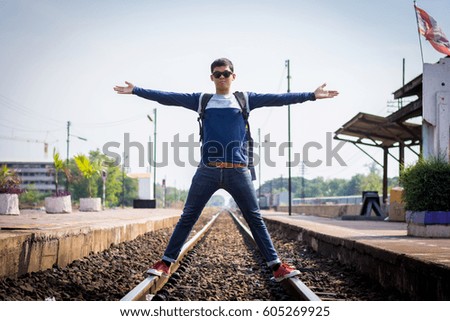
column 367, row 153
column 401, row 156
column 385, row 173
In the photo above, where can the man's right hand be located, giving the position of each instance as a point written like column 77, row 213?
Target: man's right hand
column 124, row 89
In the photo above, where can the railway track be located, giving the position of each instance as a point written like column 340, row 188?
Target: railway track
column 149, row 287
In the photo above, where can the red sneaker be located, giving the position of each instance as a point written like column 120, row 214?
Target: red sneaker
column 285, row 271
column 159, row 269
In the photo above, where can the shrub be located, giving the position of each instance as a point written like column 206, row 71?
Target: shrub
column 31, row 197
column 9, row 181
column 427, row 185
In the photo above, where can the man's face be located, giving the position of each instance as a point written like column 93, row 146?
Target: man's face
column 223, row 83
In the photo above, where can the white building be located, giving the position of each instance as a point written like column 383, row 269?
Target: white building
column 39, row 174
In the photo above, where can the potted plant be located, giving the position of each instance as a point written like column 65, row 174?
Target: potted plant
column 89, row 170
column 427, row 197
column 60, row 201
column 9, row 191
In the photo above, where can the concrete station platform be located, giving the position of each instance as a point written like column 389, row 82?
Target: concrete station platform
column 35, row 240
column 420, row 267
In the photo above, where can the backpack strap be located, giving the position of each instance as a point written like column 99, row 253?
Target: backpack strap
column 203, row 101
column 242, row 99
column 243, row 102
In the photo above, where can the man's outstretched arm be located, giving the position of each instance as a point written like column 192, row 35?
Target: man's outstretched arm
column 167, row 98
column 261, row 100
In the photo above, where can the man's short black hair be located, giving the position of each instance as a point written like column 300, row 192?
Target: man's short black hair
column 221, row 62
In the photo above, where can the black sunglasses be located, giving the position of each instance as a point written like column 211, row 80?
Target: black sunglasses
column 225, row 73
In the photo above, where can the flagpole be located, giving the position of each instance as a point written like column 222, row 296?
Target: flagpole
column 418, row 32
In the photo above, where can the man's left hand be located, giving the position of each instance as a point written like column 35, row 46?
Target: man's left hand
column 321, row 93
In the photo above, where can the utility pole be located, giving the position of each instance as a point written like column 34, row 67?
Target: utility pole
column 163, row 185
column 104, row 175
column 123, row 180
column 68, row 143
column 289, row 136
column 154, row 154
column 303, row 182
column 149, row 168
column 271, row 193
column 259, row 165
column 403, row 83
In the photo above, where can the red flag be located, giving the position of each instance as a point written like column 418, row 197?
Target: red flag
column 432, row 32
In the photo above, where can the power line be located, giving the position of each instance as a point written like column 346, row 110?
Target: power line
column 111, row 123
column 25, row 111
column 23, row 129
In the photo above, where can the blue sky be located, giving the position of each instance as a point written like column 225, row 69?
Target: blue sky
column 60, row 60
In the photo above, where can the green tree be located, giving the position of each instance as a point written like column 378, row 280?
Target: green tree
column 60, row 167
column 175, row 197
column 336, row 187
column 113, row 193
column 319, row 187
column 131, row 190
column 89, row 169
column 78, row 186
column 373, row 181
column 315, row 187
column 354, row 186
column 113, row 184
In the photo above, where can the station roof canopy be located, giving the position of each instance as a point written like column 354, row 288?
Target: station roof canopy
column 412, row 88
column 378, row 131
column 412, row 109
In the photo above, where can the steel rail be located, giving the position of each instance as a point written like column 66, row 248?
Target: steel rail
column 153, row 283
column 294, row 285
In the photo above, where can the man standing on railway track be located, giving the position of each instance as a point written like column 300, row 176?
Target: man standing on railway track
column 225, row 157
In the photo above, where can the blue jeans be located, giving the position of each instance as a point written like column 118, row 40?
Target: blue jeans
column 237, row 182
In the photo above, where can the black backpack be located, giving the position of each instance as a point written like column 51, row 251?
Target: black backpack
column 240, row 97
